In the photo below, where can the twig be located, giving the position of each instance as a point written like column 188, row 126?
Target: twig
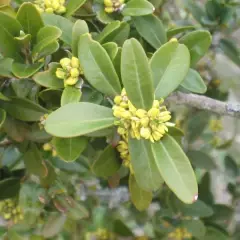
column 205, row 103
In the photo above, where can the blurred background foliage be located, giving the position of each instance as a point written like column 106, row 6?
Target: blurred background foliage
column 78, row 205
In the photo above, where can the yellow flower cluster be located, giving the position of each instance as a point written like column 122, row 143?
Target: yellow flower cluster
column 50, row 6
column 70, row 70
column 113, row 5
column 180, row 234
column 215, row 125
column 49, row 147
column 10, row 211
column 141, row 124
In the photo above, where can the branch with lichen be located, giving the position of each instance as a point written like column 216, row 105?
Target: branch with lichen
column 205, row 103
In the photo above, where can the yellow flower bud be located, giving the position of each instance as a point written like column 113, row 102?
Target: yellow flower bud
column 153, row 112
column 156, row 136
column 131, row 107
column 49, row 10
column 55, row 4
column 14, row 211
column 156, row 104
column 109, row 9
column 144, row 121
column 124, row 104
column 126, row 114
column 117, row 100
column 108, row 3
column 61, row 10
column 121, row 130
column 21, row 216
column 47, row 147
column 145, row 132
column 123, row 93
column 71, row 81
column 165, row 118
column 141, row 113
column 75, row 62
column 173, row 40
column 7, row 216
column 60, row 73
column 61, row 2
column 54, row 153
column 74, row 72
column 65, row 63
column 48, row 3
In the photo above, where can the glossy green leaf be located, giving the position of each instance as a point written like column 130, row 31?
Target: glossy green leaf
column 75, row 119
column 48, row 78
column 9, row 28
column 195, row 227
column 2, row 117
column 108, row 30
column 48, row 49
column 195, row 9
column 140, row 198
column 169, row 65
column 24, row 109
column 198, row 43
column 136, row 75
column 231, row 50
column 34, row 162
column 9, row 188
column 37, row 134
column 107, row 163
column 111, row 49
column 51, row 98
column 214, row 234
column 69, row 149
column 151, row 29
column 137, row 8
column 72, row 6
column 115, row 31
column 45, row 36
column 176, row 30
column 122, row 229
column 80, row 27
column 194, row 82
column 22, row 70
column 62, row 23
column 231, row 167
column 98, row 67
column 201, row 160
column 91, row 95
column 6, row 67
column 30, row 19
column 7, row 9
column 176, row 169
column 102, row 16
column 70, row 95
column 145, row 164
column 23, row 41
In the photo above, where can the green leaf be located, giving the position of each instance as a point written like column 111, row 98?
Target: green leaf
column 9, row 188
column 34, row 162
column 231, row 167
column 80, row 27
column 197, row 209
column 195, row 227
column 107, row 163
column 45, row 36
column 194, row 82
column 214, row 234
column 231, row 50
column 198, row 43
column 48, row 78
column 2, row 117
column 9, row 28
column 98, row 67
column 30, row 19
column 70, row 95
column 24, row 109
column 111, row 48
column 145, row 165
column 176, row 30
column 140, row 198
column 136, row 75
column 201, row 160
column 22, row 70
column 137, row 8
column 75, row 119
column 176, row 169
column 6, row 67
column 115, row 31
column 195, row 9
column 62, row 23
column 54, row 225
column 169, row 65
column 72, row 6
column 151, row 29
column 47, row 50
column 122, row 229
column 69, row 149
column 91, row 95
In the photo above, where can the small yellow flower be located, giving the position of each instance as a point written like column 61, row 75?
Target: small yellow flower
column 71, row 81
column 75, row 62
column 109, row 9
column 47, row 147
column 108, row 3
column 65, row 63
column 49, row 10
column 60, row 73
column 141, row 113
column 145, row 132
column 153, row 112
column 74, row 72
column 61, row 10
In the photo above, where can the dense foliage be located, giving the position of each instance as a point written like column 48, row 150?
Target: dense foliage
column 92, row 147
